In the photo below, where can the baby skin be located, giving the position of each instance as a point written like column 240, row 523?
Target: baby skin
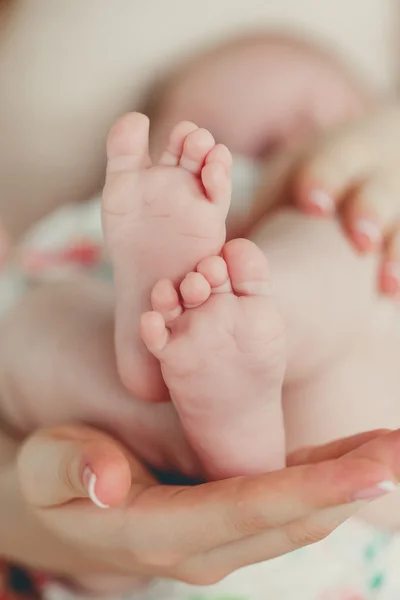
column 221, row 345
column 159, row 222
column 274, row 89
column 214, row 328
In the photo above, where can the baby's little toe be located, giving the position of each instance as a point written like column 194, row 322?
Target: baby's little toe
column 220, row 154
column 153, row 332
column 216, row 174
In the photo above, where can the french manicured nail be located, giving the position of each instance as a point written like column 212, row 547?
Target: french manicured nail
column 367, row 233
column 391, row 277
column 89, row 481
column 322, row 201
column 380, row 489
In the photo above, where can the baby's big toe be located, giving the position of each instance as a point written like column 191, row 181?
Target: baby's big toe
column 248, row 268
column 128, row 144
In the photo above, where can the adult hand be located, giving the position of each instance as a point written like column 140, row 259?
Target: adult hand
column 351, row 172
column 195, row 534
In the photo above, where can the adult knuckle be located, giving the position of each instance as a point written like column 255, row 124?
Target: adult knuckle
column 149, row 556
column 306, row 533
column 246, row 517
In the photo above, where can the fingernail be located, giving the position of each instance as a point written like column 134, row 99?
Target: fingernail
column 391, row 277
column 367, row 234
column 322, row 201
column 380, row 489
column 89, row 481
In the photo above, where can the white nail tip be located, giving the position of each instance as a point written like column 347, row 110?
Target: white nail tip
column 322, row 200
column 387, row 486
column 92, row 493
column 369, row 229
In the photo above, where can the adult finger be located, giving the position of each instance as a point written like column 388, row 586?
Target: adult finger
column 64, row 463
column 308, row 528
column 371, row 211
column 331, row 169
column 215, row 565
column 194, row 520
column 390, row 269
column 342, row 159
column 335, row 449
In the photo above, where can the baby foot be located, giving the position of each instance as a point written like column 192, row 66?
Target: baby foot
column 159, row 222
column 222, row 354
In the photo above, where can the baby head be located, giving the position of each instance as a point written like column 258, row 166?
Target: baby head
column 257, row 93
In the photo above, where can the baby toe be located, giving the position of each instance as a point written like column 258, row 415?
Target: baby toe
column 220, row 154
column 215, row 271
column 195, row 290
column 248, row 268
column 165, row 300
column 154, row 332
column 172, row 154
column 196, row 147
column 128, row 144
column 217, row 184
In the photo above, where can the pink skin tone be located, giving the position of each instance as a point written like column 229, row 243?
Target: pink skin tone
column 168, row 221
column 221, row 346
column 341, row 355
column 322, row 338
column 271, row 109
column 353, row 167
column 288, row 89
column 259, row 93
column 159, row 222
column 355, row 171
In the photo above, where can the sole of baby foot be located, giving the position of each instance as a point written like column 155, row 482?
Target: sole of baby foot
column 220, row 340
column 159, row 221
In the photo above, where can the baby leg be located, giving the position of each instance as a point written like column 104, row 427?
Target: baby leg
column 222, row 355
column 159, row 221
column 342, row 341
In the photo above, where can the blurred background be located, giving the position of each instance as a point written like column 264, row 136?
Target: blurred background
column 68, row 68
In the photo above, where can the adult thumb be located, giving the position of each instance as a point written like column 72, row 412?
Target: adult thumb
column 62, row 464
